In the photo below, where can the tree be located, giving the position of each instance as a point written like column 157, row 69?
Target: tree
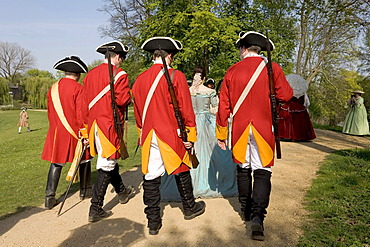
column 327, row 52
column 4, row 91
column 14, row 60
column 36, row 85
column 207, row 29
column 327, row 33
column 125, row 19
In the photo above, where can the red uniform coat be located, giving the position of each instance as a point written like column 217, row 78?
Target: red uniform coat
column 254, row 112
column 100, row 116
column 60, row 144
column 160, row 117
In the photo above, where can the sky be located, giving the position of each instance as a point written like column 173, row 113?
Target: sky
column 52, row 30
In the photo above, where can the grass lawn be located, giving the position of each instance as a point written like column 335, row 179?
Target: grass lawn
column 24, row 173
column 338, row 201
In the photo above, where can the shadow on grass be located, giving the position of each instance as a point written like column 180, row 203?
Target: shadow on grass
column 363, row 154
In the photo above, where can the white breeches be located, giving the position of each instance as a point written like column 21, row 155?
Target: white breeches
column 253, row 159
column 155, row 165
column 103, row 163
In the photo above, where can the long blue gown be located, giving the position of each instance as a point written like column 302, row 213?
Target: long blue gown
column 216, row 174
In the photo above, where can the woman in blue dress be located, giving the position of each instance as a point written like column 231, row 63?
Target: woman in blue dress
column 216, row 174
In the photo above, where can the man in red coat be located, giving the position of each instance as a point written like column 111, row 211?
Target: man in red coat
column 103, row 138
column 244, row 98
column 65, row 102
column 162, row 148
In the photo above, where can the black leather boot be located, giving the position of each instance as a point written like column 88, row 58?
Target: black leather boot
column 152, row 198
column 244, row 179
column 97, row 212
column 123, row 191
column 85, row 180
column 192, row 209
column 51, row 185
column 261, row 198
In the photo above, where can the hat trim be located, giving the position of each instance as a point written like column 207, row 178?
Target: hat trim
column 168, row 38
column 358, row 91
column 57, row 64
column 122, row 45
column 253, row 32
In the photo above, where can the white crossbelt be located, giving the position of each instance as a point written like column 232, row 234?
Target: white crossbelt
column 150, row 95
column 105, row 90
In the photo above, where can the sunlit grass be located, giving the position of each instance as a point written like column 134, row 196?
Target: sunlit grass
column 338, row 201
column 24, row 173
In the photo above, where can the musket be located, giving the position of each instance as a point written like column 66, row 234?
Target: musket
column 275, row 120
column 73, row 178
column 117, row 120
column 184, row 135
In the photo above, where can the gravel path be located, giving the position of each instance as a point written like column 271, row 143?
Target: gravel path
column 220, row 225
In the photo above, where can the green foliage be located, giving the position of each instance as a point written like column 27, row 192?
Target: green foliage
column 327, row 127
column 338, row 201
column 207, row 42
column 36, row 84
column 39, row 73
column 330, row 93
column 208, row 31
column 20, row 161
column 4, row 92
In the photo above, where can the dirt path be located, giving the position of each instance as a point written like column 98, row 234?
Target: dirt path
column 219, row 226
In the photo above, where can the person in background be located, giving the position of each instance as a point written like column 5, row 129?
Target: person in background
column 215, row 175
column 105, row 142
column 162, row 148
column 294, row 121
column 23, row 120
column 66, row 128
column 245, row 99
column 210, row 83
column 356, row 122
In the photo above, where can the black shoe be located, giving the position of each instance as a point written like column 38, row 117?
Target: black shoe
column 123, row 197
column 50, row 202
column 257, row 229
column 101, row 214
column 155, row 230
column 196, row 210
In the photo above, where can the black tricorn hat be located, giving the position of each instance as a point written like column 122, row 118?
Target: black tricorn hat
column 164, row 43
column 250, row 38
column 115, row 46
column 210, row 81
column 71, row 64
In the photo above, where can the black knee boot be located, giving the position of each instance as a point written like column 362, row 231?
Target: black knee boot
column 51, row 185
column 85, row 180
column 244, row 179
column 191, row 208
column 261, row 198
column 123, row 191
column 152, row 198
column 97, row 212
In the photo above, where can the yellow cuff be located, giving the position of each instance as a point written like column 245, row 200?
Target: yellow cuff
column 138, row 131
column 192, row 134
column 221, row 132
column 84, row 133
